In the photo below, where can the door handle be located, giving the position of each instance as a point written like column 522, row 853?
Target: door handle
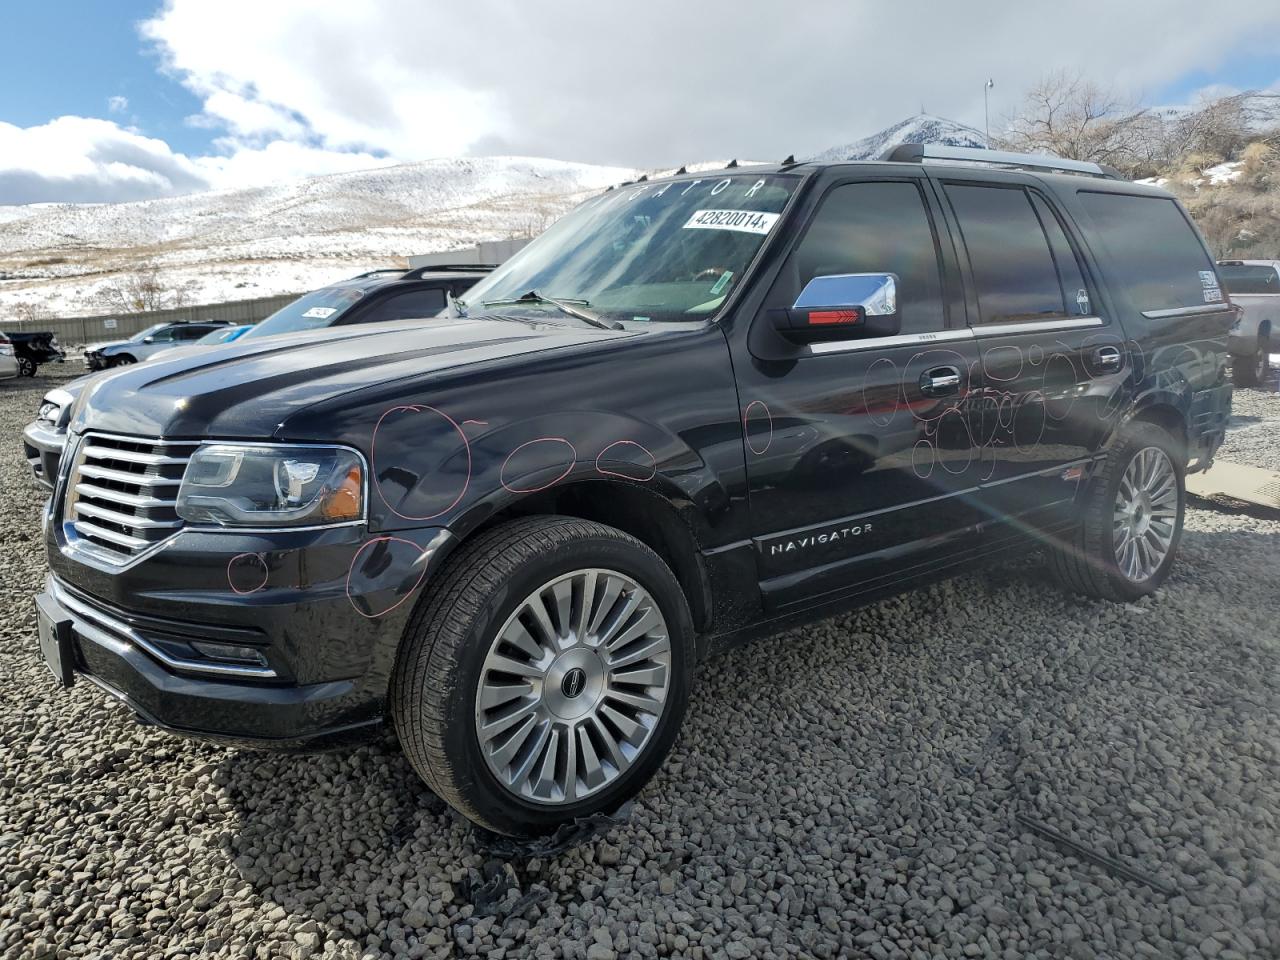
column 1108, row 358
column 940, row 381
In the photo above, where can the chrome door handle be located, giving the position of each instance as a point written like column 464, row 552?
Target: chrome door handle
column 940, row 381
column 1108, row 357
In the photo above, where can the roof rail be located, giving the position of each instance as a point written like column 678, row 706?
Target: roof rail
column 920, row 152
column 416, row 273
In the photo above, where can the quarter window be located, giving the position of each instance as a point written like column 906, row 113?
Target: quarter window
column 410, row 305
column 875, row 227
column 1152, row 251
column 1014, row 271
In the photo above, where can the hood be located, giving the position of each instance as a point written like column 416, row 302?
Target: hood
column 103, row 344
column 249, row 388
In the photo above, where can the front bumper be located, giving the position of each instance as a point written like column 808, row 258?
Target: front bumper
column 42, row 445
column 140, row 631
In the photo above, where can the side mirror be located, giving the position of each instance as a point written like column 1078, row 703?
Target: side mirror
column 842, row 306
column 148, row 339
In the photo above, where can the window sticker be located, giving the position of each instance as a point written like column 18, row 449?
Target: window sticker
column 1082, row 300
column 1208, row 279
column 743, row 221
column 722, row 283
column 1213, row 295
column 319, row 313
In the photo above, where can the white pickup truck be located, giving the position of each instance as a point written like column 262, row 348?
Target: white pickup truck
column 1254, row 287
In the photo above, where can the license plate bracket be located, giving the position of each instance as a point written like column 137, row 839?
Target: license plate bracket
column 53, row 628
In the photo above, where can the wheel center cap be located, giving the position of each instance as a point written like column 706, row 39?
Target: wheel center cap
column 574, row 682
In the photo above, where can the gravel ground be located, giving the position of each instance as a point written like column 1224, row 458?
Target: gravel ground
column 988, row 767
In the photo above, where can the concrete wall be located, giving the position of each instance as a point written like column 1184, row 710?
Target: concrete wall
column 490, row 251
column 76, row 330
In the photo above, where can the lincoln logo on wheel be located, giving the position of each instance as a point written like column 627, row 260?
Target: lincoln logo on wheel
column 573, row 683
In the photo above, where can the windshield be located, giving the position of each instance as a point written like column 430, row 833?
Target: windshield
column 1249, row 278
column 219, row 336
column 150, row 331
column 320, row 308
column 671, row 250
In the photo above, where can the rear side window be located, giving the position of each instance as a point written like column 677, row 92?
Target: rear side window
column 1152, row 251
column 1013, row 268
column 410, row 305
column 1249, row 278
column 875, row 227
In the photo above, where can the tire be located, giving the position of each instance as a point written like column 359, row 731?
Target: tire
column 26, row 367
column 1252, row 370
column 451, row 644
column 1087, row 561
column 122, row 361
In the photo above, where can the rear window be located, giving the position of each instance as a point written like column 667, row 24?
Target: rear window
column 1152, row 251
column 1249, row 278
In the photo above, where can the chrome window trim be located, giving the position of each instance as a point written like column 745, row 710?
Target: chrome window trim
column 884, row 343
column 1187, row 311
column 1037, row 326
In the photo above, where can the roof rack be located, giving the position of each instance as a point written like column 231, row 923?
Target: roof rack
column 920, row 152
column 416, row 273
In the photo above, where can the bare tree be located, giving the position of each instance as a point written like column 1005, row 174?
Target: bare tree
column 30, row 312
column 1071, row 117
column 141, row 291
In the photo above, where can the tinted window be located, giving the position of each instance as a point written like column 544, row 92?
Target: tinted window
column 1014, row 272
column 1070, row 276
column 410, row 305
column 191, row 333
column 1152, row 251
column 166, row 335
column 880, row 227
column 1249, row 278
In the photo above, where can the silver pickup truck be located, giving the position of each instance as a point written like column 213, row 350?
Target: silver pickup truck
column 1254, row 287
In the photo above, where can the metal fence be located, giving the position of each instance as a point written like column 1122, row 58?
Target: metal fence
column 77, row 330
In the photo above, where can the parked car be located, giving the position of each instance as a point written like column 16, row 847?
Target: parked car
column 374, row 297
column 695, row 411
column 377, row 296
column 1254, row 286
column 33, row 349
column 8, row 362
column 211, row 339
column 147, row 343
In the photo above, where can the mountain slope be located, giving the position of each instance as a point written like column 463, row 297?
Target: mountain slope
column 278, row 239
column 922, row 128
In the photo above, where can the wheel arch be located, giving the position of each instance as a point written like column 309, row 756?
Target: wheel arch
column 1165, row 413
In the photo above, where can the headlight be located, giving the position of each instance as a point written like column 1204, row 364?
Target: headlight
column 6, row 350
column 261, row 485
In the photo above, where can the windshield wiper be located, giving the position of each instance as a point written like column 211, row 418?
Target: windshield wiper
column 564, row 306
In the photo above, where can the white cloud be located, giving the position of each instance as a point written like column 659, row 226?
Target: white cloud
column 299, row 87
column 89, row 160
column 664, row 82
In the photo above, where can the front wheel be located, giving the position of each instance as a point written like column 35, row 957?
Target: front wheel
column 122, row 361
column 546, row 676
column 26, row 367
column 1131, row 523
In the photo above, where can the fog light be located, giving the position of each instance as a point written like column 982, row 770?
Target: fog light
column 230, row 652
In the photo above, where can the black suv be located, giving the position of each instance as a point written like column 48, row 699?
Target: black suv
column 696, row 410
column 374, row 297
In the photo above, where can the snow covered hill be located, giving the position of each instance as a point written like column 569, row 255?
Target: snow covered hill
column 922, row 128
column 1260, row 111
column 238, row 244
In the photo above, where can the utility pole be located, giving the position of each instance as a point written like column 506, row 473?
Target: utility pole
column 986, row 110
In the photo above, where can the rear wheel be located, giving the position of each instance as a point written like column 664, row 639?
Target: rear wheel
column 1252, row 371
column 1128, row 536
column 546, row 677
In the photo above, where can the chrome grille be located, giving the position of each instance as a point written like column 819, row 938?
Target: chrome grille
column 121, row 491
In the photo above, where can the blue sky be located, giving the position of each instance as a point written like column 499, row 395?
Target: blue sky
column 225, row 93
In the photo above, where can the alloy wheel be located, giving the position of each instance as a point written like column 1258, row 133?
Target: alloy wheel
column 573, row 686
column 1146, row 514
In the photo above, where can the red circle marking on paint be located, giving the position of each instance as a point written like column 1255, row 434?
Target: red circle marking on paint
column 746, row 415
column 265, row 573
column 528, row 443
column 373, row 459
column 352, row 567
column 653, row 461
